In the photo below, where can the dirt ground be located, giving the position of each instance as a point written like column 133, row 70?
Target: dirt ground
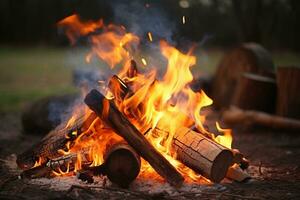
column 274, row 156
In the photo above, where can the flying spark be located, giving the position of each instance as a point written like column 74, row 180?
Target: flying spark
column 144, row 61
column 150, row 36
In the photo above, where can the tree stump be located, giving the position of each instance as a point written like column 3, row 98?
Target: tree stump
column 249, row 57
column 255, row 92
column 288, row 94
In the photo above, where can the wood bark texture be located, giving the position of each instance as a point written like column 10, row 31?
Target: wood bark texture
column 202, row 154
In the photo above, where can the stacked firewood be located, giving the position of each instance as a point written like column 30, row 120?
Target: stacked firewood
column 122, row 164
column 252, row 93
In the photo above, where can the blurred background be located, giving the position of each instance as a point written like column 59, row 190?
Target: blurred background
column 37, row 60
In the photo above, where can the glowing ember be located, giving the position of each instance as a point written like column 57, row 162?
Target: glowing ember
column 160, row 104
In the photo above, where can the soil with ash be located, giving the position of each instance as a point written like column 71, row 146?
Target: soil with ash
column 275, row 167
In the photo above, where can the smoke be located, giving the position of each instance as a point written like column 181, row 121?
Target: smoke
column 140, row 18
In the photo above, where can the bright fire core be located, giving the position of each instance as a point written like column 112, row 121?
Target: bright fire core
column 167, row 103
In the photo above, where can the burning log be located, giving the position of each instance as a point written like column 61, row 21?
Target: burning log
column 107, row 111
column 255, row 92
column 238, row 157
column 132, row 70
column 202, row 154
column 57, row 139
column 251, row 58
column 288, row 96
column 118, row 88
column 122, row 164
column 236, row 116
column 60, row 164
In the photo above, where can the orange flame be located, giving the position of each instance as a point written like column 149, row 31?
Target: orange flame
column 76, row 28
column 164, row 105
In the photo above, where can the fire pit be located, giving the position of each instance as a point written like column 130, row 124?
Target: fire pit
column 139, row 135
column 158, row 120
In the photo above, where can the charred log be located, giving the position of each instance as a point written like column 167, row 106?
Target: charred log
column 57, row 139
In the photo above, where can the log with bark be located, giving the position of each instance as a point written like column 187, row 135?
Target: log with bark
column 248, row 118
column 288, row 95
column 202, row 154
column 122, row 164
column 249, row 57
column 57, row 139
column 255, row 92
column 36, row 117
column 238, row 158
column 108, row 112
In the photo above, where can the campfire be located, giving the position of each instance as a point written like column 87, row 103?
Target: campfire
column 136, row 123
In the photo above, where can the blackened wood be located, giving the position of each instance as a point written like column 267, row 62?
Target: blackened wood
column 118, row 88
column 48, row 147
column 132, row 70
column 108, row 112
column 249, row 57
column 288, row 94
column 255, row 92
